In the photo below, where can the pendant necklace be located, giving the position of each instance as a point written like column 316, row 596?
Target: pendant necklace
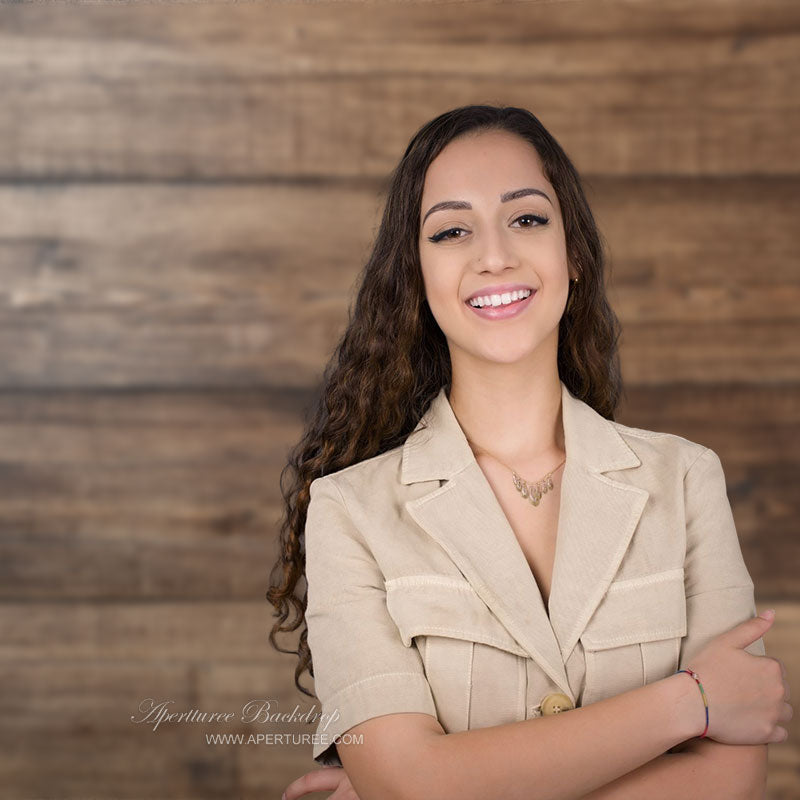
column 531, row 491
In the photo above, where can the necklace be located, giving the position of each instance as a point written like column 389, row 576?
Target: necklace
column 531, row 491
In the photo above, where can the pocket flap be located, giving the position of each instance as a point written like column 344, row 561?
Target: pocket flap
column 438, row 605
column 640, row 609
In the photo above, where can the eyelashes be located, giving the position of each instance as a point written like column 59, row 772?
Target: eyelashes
column 541, row 219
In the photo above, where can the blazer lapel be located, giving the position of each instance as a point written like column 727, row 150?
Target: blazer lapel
column 597, row 518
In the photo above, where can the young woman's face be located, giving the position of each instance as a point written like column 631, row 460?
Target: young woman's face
column 493, row 247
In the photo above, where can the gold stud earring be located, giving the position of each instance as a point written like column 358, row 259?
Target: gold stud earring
column 574, row 282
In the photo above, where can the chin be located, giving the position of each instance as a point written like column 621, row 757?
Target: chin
column 506, row 355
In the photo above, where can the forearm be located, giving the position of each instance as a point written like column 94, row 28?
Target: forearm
column 697, row 773
column 562, row 756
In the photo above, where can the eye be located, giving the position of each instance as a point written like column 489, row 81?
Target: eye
column 444, row 235
column 539, row 219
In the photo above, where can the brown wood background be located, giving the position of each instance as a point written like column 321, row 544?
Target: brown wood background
column 187, row 193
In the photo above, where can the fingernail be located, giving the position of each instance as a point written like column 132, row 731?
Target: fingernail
column 768, row 614
column 283, row 796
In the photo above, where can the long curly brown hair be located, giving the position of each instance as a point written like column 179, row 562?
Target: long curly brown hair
column 392, row 358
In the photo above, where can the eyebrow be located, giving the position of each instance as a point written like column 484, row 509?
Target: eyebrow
column 459, row 205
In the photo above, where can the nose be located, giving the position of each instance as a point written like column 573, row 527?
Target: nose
column 494, row 251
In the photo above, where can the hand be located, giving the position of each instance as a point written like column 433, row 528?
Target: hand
column 746, row 694
column 327, row 779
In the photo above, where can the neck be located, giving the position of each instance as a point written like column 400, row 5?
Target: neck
column 515, row 419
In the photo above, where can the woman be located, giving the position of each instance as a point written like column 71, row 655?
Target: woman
column 483, row 544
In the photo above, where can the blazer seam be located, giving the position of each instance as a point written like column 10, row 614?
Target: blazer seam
column 336, row 603
column 341, row 497
column 372, row 678
column 666, row 576
column 721, row 589
column 445, row 487
column 473, row 636
column 361, row 535
column 353, row 467
column 639, row 433
column 444, row 581
column 699, row 456
column 604, row 642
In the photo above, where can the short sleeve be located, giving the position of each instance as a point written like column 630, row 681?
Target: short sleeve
column 362, row 669
column 719, row 589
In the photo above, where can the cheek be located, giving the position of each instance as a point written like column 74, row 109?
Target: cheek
column 445, row 314
column 441, row 289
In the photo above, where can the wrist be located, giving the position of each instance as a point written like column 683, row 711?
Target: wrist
column 688, row 719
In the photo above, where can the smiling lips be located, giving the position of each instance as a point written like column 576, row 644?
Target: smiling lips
column 503, row 298
column 503, row 305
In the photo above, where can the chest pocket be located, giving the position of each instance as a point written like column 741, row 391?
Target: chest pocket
column 475, row 668
column 634, row 636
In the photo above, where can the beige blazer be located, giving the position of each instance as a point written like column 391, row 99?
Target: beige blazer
column 420, row 597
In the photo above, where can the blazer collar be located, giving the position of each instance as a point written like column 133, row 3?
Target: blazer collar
column 597, row 517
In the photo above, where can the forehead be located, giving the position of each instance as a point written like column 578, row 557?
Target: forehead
column 483, row 165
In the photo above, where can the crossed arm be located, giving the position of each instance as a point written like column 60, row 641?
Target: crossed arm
column 718, row 591
column 614, row 749
column 696, row 769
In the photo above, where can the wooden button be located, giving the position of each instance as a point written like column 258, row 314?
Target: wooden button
column 556, row 703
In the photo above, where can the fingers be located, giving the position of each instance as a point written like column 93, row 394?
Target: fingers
column 786, row 692
column 785, row 682
column 326, row 779
column 778, row 735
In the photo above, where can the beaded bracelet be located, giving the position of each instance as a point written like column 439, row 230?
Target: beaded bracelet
column 694, row 675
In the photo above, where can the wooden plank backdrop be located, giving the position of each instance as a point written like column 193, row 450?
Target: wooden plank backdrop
column 187, row 194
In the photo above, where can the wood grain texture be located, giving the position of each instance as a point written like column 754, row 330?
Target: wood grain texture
column 154, row 495
column 226, row 285
column 188, row 192
column 308, row 89
column 91, row 715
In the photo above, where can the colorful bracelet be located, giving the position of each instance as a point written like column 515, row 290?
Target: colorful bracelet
column 694, row 675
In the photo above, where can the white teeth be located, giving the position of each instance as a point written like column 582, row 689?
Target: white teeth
column 499, row 299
